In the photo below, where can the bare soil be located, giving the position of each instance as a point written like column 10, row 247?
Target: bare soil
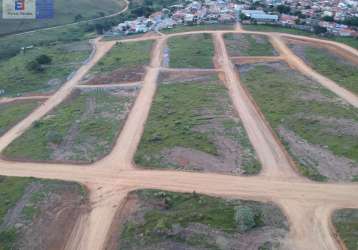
column 122, row 75
column 168, row 77
column 310, row 155
column 57, row 207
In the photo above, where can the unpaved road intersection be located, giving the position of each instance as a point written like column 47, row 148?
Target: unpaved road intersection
column 307, row 205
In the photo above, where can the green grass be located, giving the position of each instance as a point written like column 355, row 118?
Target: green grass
column 182, row 209
column 11, row 113
column 346, row 223
column 94, row 133
column 125, row 55
column 248, row 45
column 325, row 63
column 65, row 12
column 276, row 91
column 186, row 28
column 176, row 112
column 191, row 51
column 16, row 78
column 351, row 41
column 11, row 190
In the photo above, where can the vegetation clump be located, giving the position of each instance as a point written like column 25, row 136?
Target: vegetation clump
column 195, row 221
column 191, row 51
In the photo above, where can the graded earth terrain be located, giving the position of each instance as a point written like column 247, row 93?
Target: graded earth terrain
column 268, row 127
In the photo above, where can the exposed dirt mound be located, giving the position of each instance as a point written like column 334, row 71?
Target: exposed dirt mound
column 121, row 75
column 168, row 77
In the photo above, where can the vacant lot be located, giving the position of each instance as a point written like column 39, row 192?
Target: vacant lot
column 124, row 63
column 65, row 11
column 192, row 126
column 318, row 128
column 248, row 45
column 191, row 51
column 41, row 69
column 11, row 113
column 82, row 129
column 186, row 28
column 351, row 41
column 330, row 65
column 165, row 220
column 346, row 223
column 38, row 214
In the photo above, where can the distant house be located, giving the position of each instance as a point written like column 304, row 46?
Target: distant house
column 249, row 13
column 226, row 18
column 288, row 19
column 264, row 18
column 189, row 18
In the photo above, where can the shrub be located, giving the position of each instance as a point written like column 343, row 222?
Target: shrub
column 245, row 218
column 34, row 66
column 54, row 137
column 44, row 59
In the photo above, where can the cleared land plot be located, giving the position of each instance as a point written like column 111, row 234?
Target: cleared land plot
column 351, row 41
column 346, row 223
column 38, row 214
column 82, row 129
column 330, row 65
column 66, row 11
column 191, row 51
column 41, row 69
column 186, row 28
column 124, row 63
column 165, row 220
column 318, row 128
column 193, row 126
column 248, row 45
column 13, row 112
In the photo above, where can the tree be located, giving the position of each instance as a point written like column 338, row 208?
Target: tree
column 34, row 66
column 328, row 18
column 78, row 17
column 352, row 21
column 243, row 16
column 319, row 30
column 99, row 28
column 44, row 59
column 283, row 9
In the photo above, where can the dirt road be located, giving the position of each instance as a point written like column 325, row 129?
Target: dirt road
column 308, row 205
column 126, row 145
column 274, row 160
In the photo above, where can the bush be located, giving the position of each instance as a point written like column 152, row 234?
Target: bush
column 34, row 66
column 245, row 218
column 44, row 59
column 54, row 137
